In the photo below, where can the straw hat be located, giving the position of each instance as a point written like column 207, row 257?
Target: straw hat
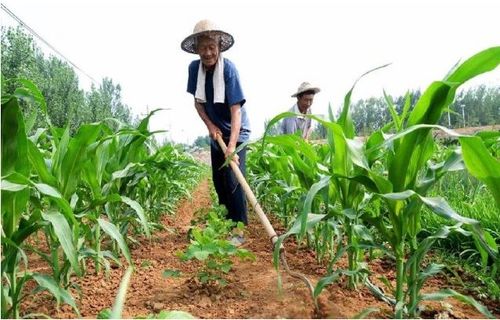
column 305, row 86
column 209, row 28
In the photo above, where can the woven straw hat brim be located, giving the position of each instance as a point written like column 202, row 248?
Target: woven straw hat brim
column 315, row 89
column 226, row 40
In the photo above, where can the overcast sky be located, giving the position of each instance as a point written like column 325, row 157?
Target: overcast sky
column 278, row 45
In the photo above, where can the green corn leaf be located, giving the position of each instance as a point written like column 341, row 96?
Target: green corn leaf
column 46, row 282
column 64, row 234
column 306, row 209
column 91, row 175
column 143, row 126
column 140, row 213
column 31, row 91
column 14, row 151
column 446, row 293
column 387, row 283
column 362, row 232
column 486, row 245
column 38, row 163
column 12, row 187
column 345, row 120
column 481, row 164
column 341, row 163
column 40, row 132
column 61, row 147
column 272, row 122
column 373, row 146
column 116, row 312
column 297, row 143
column 174, row 314
column 442, row 208
column 311, row 220
column 47, row 190
column 378, row 293
column 75, row 157
column 323, row 282
column 431, row 104
column 365, row 312
column 430, row 271
column 390, row 140
column 425, row 245
column 479, row 63
column 331, row 117
column 356, row 153
column 392, row 110
column 115, row 234
column 406, row 107
column 127, row 171
column 436, row 204
column 416, row 148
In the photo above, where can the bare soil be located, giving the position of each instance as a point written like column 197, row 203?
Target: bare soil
column 252, row 292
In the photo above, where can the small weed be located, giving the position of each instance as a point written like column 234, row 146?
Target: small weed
column 209, row 244
column 146, row 263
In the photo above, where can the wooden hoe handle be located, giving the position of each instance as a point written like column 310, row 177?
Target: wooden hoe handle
column 250, row 195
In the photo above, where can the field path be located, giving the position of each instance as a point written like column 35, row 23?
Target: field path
column 253, row 286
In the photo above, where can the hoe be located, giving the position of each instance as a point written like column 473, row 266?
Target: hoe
column 267, row 225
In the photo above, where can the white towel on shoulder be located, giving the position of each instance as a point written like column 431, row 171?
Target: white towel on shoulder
column 219, row 85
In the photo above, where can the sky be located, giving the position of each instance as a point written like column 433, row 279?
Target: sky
column 278, row 45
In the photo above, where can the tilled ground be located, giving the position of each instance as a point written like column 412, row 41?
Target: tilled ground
column 252, row 292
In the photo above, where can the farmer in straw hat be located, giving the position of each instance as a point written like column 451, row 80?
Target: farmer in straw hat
column 218, row 98
column 305, row 97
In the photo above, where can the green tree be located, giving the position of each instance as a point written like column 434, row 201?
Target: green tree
column 476, row 106
column 105, row 102
column 61, row 91
column 67, row 104
column 19, row 60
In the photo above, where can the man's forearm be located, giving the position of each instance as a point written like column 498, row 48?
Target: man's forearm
column 235, row 124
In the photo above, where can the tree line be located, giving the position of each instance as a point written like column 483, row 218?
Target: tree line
column 474, row 107
column 67, row 104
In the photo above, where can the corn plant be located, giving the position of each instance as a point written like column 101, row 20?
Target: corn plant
column 49, row 209
column 342, row 199
column 483, row 165
column 76, row 189
column 388, row 176
column 409, row 177
column 274, row 182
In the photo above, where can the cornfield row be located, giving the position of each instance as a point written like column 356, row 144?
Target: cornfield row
column 87, row 195
column 351, row 196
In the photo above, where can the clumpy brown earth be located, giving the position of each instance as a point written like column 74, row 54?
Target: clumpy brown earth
column 252, row 292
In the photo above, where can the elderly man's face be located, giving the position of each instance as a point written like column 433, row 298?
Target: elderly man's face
column 305, row 102
column 208, row 50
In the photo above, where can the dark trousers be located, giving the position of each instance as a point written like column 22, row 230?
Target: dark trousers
column 228, row 189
